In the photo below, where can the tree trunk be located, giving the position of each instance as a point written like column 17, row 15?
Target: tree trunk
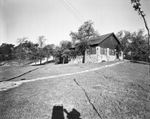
column 131, row 56
column 83, row 60
column 47, row 59
column 63, row 60
column 19, row 61
column 35, row 60
column 40, row 61
column 20, row 57
column 143, row 16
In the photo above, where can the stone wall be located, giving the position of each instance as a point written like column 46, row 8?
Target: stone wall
column 93, row 58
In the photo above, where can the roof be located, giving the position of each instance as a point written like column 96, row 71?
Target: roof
column 98, row 40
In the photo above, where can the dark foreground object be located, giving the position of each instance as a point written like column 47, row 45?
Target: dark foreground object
column 58, row 113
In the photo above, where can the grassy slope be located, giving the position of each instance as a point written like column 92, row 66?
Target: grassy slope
column 44, row 70
column 7, row 73
column 121, row 91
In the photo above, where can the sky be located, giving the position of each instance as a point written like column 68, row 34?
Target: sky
column 55, row 20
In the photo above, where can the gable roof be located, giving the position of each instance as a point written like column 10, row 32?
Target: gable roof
column 98, row 40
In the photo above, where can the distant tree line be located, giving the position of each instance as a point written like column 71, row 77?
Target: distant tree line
column 26, row 50
column 133, row 44
column 35, row 52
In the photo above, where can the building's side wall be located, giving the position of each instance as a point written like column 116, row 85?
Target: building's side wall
column 110, row 43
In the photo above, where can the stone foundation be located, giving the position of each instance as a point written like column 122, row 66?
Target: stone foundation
column 94, row 58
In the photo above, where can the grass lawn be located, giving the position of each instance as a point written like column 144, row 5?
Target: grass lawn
column 16, row 73
column 12, row 72
column 118, row 92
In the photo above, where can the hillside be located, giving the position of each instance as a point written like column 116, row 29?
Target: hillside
column 117, row 92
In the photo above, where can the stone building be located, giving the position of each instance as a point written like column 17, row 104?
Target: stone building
column 102, row 48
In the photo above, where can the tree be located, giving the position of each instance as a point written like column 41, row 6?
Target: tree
column 41, row 42
column 65, row 44
column 65, row 50
column 49, row 50
column 34, row 52
column 20, row 48
column 133, row 44
column 138, row 46
column 137, row 7
column 6, row 52
column 27, row 49
column 81, row 38
column 57, row 55
column 62, row 52
column 65, row 55
column 125, row 39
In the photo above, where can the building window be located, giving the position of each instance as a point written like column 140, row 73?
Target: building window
column 103, row 51
column 111, row 52
column 93, row 50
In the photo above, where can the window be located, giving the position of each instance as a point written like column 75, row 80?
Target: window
column 111, row 52
column 93, row 50
column 103, row 51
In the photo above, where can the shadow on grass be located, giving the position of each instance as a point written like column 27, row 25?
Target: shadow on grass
column 21, row 75
column 58, row 113
column 140, row 62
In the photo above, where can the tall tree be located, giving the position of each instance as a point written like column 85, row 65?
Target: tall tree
column 48, row 50
column 65, row 55
column 30, row 50
column 138, row 46
column 20, row 50
column 41, row 42
column 137, row 7
column 81, row 38
column 125, row 39
column 133, row 44
column 65, row 50
column 57, row 55
column 65, row 44
column 34, row 52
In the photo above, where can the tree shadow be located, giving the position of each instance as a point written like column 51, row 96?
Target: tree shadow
column 140, row 62
column 58, row 113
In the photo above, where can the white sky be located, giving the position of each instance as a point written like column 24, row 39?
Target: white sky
column 33, row 18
